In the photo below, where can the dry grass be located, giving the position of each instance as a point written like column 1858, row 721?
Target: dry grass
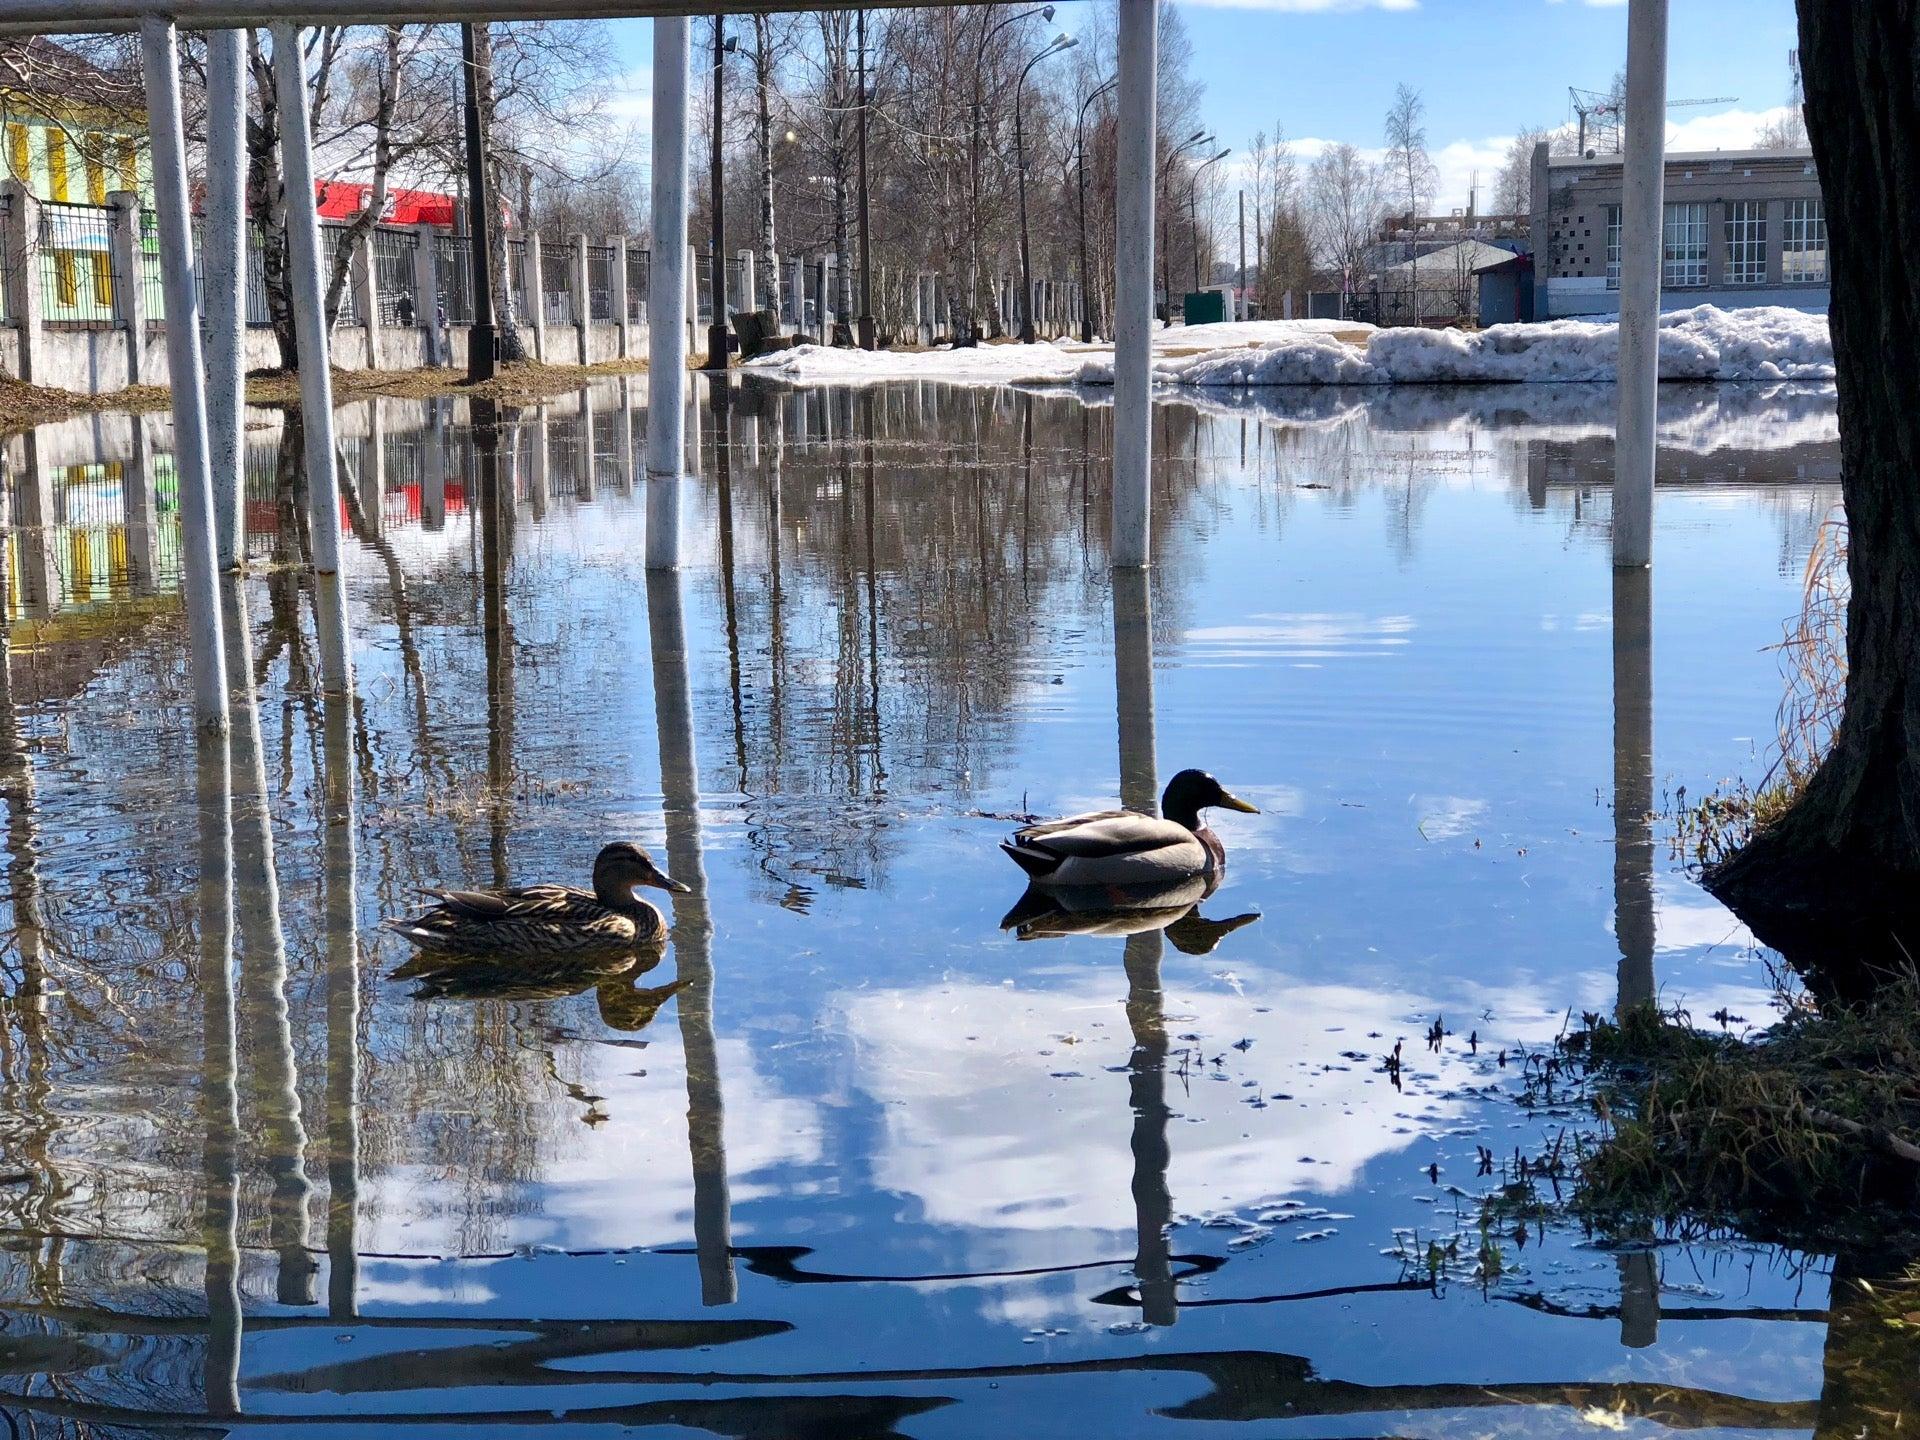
column 1813, row 663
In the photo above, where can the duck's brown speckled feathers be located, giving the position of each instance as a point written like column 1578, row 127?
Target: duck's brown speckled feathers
column 547, row 919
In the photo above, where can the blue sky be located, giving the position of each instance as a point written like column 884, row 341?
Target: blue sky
column 1326, row 69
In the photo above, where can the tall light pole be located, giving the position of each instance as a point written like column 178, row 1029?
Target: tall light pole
column 1193, row 207
column 1080, row 150
column 717, row 323
column 1054, row 47
column 974, row 148
column 1199, row 137
column 867, row 337
column 481, row 349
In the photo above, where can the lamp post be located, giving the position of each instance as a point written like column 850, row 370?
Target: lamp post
column 717, row 323
column 1080, row 150
column 867, row 338
column 1199, row 137
column 974, row 147
column 1193, row 207
column 1054, row 47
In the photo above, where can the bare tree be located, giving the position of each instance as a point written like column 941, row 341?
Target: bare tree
column 1344, row 208
column 1414, row 175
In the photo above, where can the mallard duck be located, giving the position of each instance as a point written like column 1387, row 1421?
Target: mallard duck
column 1124, row 847
column 548, row 919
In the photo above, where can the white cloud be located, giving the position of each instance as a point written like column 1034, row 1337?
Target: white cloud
column 1300, row 7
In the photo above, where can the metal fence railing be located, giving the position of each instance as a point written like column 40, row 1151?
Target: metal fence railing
column 395, row 272
column 8, row 260
column 639, row 262
column 76, row 264
column 600, row 282
column 454, row 262
column 517, row 277
column 556, row 288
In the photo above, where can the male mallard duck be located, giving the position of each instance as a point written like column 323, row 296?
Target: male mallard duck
column 1123, row 847
column 548, row 919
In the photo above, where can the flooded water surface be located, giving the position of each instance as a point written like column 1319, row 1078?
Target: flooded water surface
column 851, row 1159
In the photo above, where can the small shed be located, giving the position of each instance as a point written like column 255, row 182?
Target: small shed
column 1506, row 290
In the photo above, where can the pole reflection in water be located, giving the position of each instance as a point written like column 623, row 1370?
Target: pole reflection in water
column 1633, row 901
column 143, row 527
column 342, row 963
column 692, row 936
column 495, row 509
column 263, row 1015
column 219, row 1079
column 1146, row 1065
column 723, row 480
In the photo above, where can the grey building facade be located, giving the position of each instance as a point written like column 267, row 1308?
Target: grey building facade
column 1742, row 227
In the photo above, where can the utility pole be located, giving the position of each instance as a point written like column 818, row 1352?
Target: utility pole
column 867, row 337
column 1240, row 305
column 717, row 323
column 482, row 351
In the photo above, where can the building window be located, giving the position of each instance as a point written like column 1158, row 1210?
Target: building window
column 1613, row 247
column 126, row 165
column 1747, row 243
column 1686, row 248
column 19, row 154
column 1804, row 248
column 56, row 165
column 102, row 278
column 66, row 279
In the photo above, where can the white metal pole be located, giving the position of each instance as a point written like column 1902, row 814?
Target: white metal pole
column 1139, row 24
column 224, row 265
column 200, row 580
column 667, row 295
column 309, row 298
column 1642, row 217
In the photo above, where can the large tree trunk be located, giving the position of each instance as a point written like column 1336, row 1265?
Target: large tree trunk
column 266, row 202
column 1835, row 882
column 769, row 264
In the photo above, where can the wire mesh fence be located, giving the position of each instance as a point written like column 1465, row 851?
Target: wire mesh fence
column 600, row 282
column 517, row 277
column 334, row 239
column 75, row 253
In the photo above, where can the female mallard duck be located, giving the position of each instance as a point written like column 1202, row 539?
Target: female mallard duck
column 1123, row 847
column 548, row 919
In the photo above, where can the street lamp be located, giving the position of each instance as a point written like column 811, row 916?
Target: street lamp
column 1054, row 47
column 1193, row 208
column 1080, row 149
column 717, row 323
column 1199, row 137
column 974, row 147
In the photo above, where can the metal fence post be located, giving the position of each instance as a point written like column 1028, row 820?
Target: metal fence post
column 364, row 276
column 426, row 294
column 129, row 299
column 582, row 294
column 24, row 297
column 617, row 297
column 537, row 296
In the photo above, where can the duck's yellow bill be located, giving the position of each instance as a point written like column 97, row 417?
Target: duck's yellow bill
column 1234, row 802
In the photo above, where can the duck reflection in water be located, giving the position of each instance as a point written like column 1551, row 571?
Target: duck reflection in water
column 1122, row 910
column 624, row 1005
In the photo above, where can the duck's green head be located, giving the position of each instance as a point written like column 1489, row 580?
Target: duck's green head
column 622, row 865
column 1192, row 791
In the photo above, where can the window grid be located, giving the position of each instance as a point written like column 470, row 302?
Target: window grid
column 1613, row 247
column 1804, row 243
column 1746, row 228
column 1685, row 264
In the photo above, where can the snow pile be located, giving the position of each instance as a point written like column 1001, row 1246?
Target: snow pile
column 978, row 365
column 1704, row 343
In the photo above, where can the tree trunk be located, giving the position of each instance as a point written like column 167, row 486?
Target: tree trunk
column 1834, row 884
column 266, row 203
column 506, row 324
column 769, row 266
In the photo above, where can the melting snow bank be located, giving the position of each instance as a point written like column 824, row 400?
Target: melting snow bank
column 1704, row 343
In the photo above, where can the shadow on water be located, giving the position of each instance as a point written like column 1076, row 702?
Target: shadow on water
column 897, row 618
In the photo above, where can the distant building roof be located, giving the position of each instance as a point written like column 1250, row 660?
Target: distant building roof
column 1688, row 157
column 1470, row 256
column 344, row 199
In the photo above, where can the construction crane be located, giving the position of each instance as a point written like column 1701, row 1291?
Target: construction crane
column 1600, row 113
